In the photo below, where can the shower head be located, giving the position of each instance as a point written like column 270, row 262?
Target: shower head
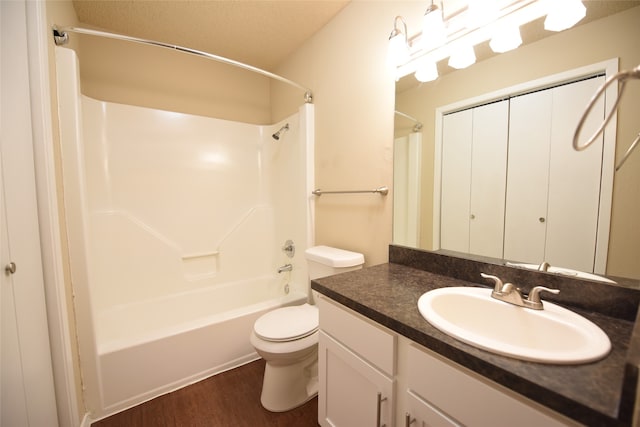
column 284, row 128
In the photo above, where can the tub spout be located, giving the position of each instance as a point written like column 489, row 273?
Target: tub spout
column 286, row 267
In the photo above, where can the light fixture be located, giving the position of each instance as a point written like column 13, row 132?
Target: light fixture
column 398, row 52
column 481, row 12
column 427, row 71
column 505, row 38
column 462, row 57
column 434, row 33
column 495, row 21
column 563, row 14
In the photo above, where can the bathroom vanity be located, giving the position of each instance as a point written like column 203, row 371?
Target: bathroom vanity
column 382, row 363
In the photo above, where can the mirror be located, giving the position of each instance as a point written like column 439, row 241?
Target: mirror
column 607, row 32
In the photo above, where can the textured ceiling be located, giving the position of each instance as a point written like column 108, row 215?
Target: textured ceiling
column 261, row 33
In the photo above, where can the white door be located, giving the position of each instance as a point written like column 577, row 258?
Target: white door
column 455, row 196
column 488, row 178
column 553, row 191
column 574, row 179
column 27, row 395
column 474, row 168
column 528, row 177
column 13, row 404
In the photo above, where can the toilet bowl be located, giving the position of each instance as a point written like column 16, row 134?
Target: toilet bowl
column 287, row 338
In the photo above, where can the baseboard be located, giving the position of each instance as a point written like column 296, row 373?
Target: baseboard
column 86, row 421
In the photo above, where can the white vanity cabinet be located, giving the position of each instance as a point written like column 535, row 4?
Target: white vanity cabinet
column 356, row 369
column 371, row 376
column 442, row 393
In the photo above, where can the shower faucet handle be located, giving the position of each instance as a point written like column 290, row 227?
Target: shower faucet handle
column 289, row 248
column 286, row 267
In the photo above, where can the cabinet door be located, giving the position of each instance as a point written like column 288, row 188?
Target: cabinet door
column 456, row 180
column 458, row 396
column 528, row 177
column 351, row 390
column 422, row 414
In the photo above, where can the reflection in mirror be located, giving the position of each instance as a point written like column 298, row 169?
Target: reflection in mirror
column 608, row 32
column 508, row 179
column 407, row 171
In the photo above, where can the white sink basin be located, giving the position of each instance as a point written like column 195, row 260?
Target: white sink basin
column 553, row 335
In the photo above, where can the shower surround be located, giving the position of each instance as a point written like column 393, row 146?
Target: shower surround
column 176, row 225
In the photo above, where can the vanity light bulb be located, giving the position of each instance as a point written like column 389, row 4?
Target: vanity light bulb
column 427, row 71
column 505, row 39
column 398, row 52
column 462, row 57
column 563, row 14
column 434, row 33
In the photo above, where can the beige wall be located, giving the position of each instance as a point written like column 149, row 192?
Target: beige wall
column 344, row 64
column 614, row 36
column 154, row 77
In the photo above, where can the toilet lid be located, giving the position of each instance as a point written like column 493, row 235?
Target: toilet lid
column 287, row 323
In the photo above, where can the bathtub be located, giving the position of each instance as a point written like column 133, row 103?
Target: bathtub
column 145, row 349
column 168, row 283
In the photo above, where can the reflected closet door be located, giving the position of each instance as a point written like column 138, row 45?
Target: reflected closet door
column 488, row 179
column 574, row 179
column 528, row 177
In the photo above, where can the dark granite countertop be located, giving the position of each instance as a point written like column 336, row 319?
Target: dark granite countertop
column 601, row 393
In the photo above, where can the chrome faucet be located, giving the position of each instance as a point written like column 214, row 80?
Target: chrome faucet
column 509, row 293
column 286, row 267
column 544, row 266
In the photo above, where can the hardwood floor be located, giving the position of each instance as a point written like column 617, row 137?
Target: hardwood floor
column 230, row 399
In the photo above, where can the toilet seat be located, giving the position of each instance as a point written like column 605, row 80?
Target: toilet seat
column 287, row 323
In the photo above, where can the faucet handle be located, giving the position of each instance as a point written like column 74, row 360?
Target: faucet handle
column 544, row 266
column 534, row 294
column 497, row 282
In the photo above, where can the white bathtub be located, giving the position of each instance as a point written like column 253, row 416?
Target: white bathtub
column 151, row 348
column 176, row 224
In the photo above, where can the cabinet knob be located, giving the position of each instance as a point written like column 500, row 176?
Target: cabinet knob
column 541, row 219
column 10, row 268
column 472, row 216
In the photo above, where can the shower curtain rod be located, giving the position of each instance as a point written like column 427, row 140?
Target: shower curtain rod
column 418, row 123
column 61, row 37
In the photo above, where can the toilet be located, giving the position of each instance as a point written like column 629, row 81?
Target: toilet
column 287, row 338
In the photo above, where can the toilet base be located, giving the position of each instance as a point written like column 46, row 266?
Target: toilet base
column 286, row 387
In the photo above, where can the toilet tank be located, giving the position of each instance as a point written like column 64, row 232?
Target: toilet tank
column 326, row 261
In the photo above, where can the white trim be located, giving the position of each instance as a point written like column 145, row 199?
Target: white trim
column 437, row 179
column 608, row 172
column 87, row 421
column 308, row 117
column 50, row 240
column 609, row 67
